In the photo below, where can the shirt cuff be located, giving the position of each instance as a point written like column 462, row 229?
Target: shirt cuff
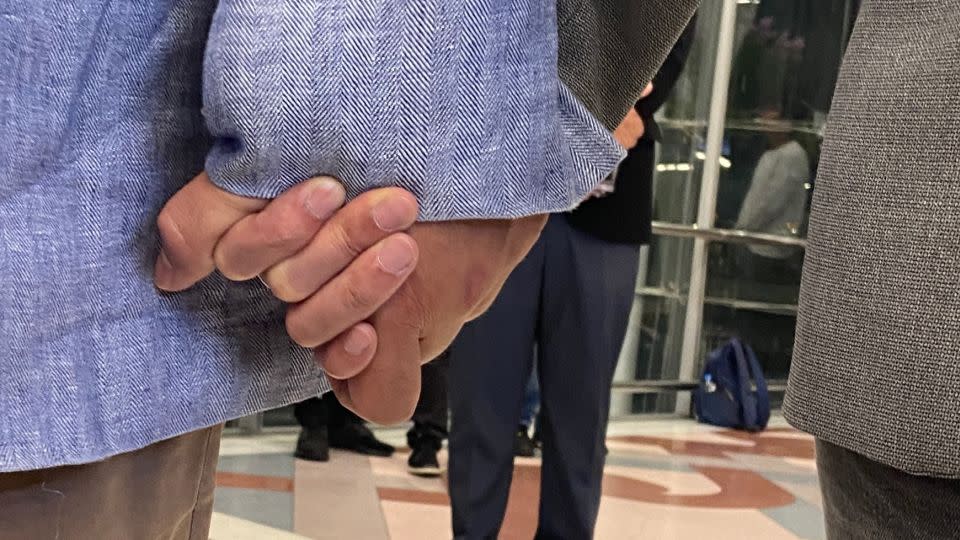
column 478, row 130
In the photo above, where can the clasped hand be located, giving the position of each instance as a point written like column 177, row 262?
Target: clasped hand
column 372, row 292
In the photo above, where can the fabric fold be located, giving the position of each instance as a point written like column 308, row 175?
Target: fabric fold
column 459, row 102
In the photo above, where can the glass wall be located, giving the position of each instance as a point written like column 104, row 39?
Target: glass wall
column 735, row 174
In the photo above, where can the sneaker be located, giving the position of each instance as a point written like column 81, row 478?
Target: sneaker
column 423, row 462
column 523, row 445
column 359, row 439
column 313, row 445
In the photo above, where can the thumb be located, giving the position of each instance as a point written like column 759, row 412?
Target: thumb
column 190, row 225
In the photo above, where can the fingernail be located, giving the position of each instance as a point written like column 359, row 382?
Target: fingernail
column 396, row 256
column 394, row 214
column 356, row 342
column 324, row 198
column 163, row 272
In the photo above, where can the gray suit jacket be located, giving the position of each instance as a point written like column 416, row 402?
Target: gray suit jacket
column 876, row 367
column 610, row 49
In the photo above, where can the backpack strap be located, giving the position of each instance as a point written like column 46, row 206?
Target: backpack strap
column 747, row 417
column 749, row 371
column 763, row 395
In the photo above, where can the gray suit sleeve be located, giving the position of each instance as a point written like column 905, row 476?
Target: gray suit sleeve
column 610, row 49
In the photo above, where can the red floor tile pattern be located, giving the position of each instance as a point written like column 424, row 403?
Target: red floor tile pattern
column 734, row 488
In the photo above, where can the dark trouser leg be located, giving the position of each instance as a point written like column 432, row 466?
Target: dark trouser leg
column 311, row 414
column 348, row 431
column 339, row 416
column 866, row 500
column 327, row 423
column 324, row 411
column 430, row 418
column 162, row 491
column 313, row 444
column 489, row 365
column 587, row 295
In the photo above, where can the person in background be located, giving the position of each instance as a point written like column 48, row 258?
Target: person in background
column 430, row 420
column 429, row 429
column 326, row 423
column 569, row 299
column 776, row 202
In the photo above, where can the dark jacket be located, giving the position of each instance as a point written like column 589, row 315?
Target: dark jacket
column 625, row 215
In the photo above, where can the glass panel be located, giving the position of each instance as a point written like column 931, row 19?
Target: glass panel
column 656, row 332
column 785, row 67
column 786, row 58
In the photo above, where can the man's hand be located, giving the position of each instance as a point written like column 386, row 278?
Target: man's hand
column 462, row 267
column 647, row 90
column 631, row 128
column 351, row 259
column 339, row 269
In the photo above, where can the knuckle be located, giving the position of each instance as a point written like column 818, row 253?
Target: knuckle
column 169, row 229
column 174, row 241
column 357, row 298
column 229, row 264
column 278, row 279
column 228, row 269
column 299, row 331
column 277, row 232
column 345, row 242
column 409, row 309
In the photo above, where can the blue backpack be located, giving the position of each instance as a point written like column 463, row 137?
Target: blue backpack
column 726, row 396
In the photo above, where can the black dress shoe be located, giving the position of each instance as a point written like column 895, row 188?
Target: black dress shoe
column 359, row 439
column 313, row 445
column 523, row 445
column 423, row 462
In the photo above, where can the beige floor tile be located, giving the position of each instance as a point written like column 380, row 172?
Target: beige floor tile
column 337, row 500
column 227, row 527
column 625, row 520
column 412, row 521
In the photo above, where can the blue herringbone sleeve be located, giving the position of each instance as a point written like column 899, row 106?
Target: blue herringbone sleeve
column 100, row 120
column 458, row 101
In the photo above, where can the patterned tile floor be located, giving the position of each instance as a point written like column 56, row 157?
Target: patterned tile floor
column 664, row 479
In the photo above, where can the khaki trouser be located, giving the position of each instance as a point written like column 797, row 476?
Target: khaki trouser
column 162, row 491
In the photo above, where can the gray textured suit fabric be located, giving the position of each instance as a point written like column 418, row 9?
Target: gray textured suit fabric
column 876, row 368
column 610, row 49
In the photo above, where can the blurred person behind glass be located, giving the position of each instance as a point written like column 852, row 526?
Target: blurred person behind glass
column 776, row 203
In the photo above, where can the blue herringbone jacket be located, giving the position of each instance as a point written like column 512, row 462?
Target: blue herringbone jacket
column 108, row 107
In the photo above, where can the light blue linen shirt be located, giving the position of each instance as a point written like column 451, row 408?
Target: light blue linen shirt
column 108, row 107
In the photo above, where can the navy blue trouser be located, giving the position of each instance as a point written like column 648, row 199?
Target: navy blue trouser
column 570, row 299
